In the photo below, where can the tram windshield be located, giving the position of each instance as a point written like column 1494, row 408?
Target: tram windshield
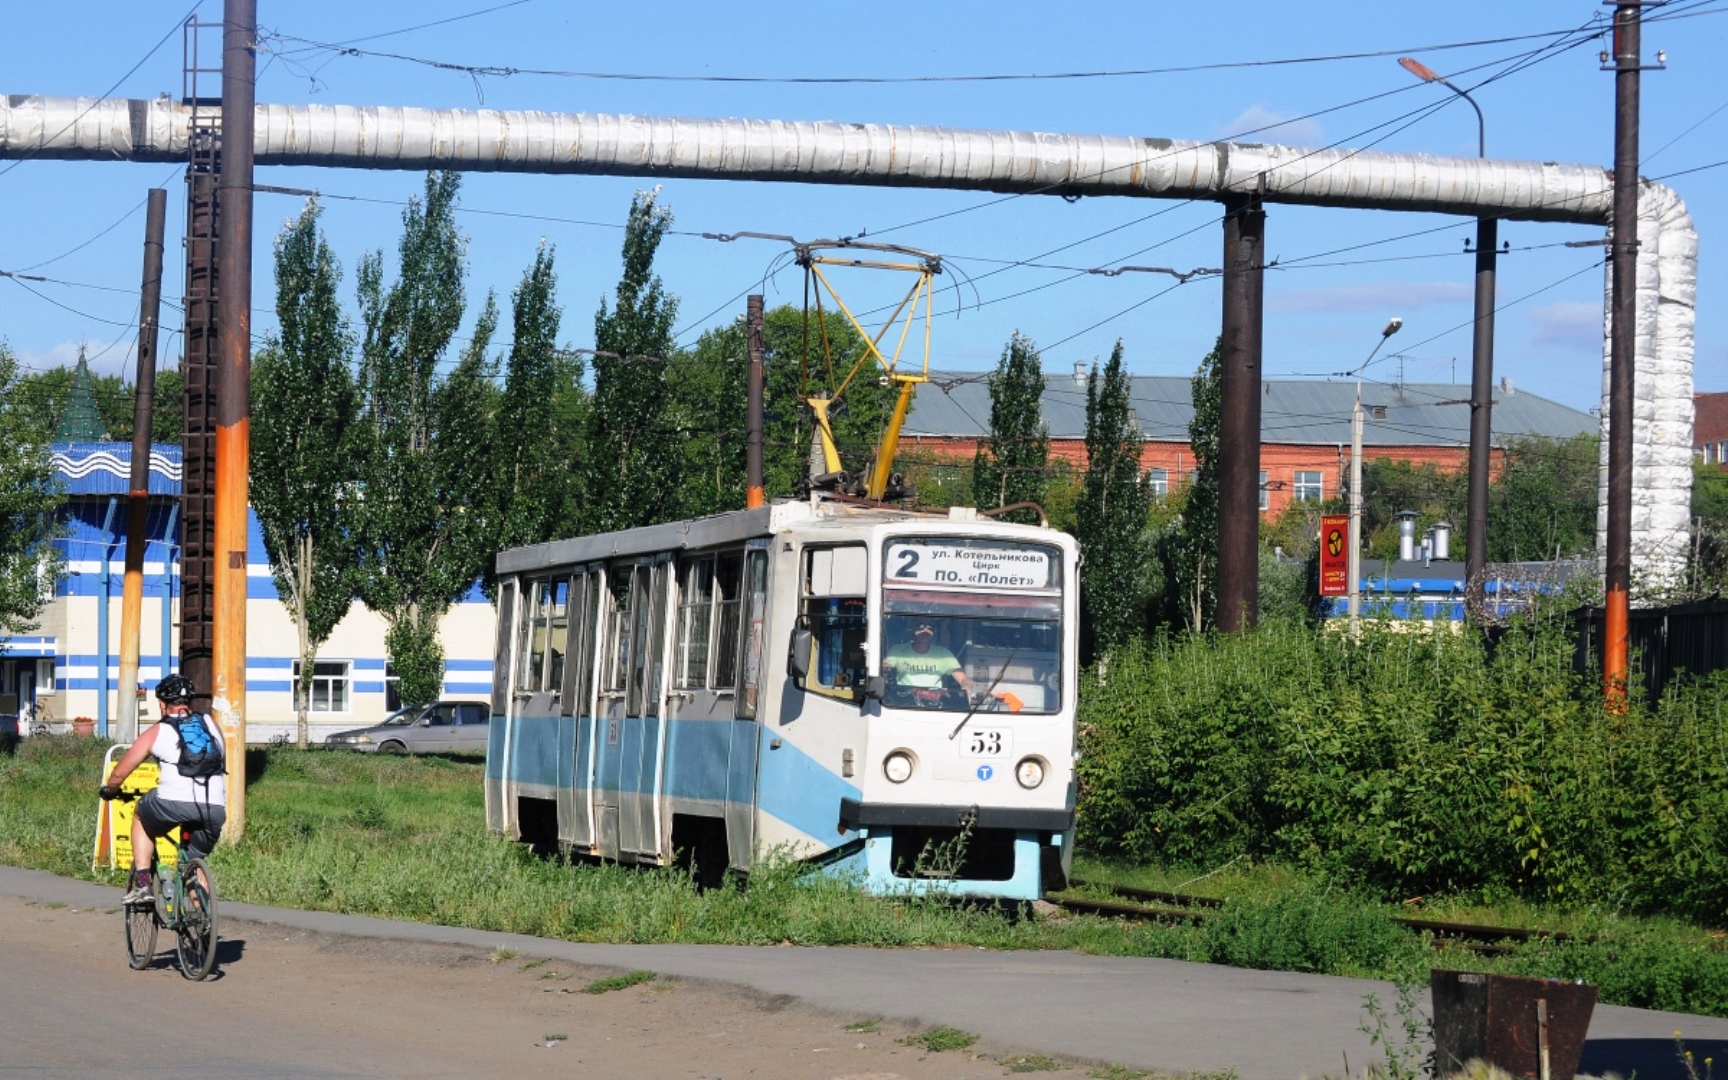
column 972, row 623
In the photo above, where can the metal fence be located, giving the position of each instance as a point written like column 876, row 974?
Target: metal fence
column 1666, row 642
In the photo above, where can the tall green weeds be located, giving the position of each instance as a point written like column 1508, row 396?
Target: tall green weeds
column 1410, row 762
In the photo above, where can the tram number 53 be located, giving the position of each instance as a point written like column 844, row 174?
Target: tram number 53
column 986, row 744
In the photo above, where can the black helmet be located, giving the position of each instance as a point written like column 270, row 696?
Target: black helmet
column 176, row 690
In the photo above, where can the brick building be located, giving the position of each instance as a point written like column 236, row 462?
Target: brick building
column 1304, row 426
column 1710, row 428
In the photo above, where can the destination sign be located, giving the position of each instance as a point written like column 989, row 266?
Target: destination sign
column 967, row 564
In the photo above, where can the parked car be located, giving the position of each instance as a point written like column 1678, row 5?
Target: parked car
column 443, row 727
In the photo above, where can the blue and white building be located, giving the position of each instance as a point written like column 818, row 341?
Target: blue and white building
column 70, row 665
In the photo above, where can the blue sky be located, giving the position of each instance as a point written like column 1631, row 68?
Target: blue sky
column 1321, row 318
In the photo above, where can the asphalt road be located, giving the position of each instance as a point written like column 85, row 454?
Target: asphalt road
column 1147, row 1013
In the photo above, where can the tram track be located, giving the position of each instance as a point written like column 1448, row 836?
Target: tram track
column 1160, row 906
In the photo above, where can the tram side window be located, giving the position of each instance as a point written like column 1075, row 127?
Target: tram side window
column 695, row 623
column 708, row 613
column 755, row 609
column 834, row 612
column 545, row 627
column 728, row 584
column 583, row 601
column 616, row 657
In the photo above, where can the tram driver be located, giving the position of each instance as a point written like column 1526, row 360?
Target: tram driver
column 921, row 669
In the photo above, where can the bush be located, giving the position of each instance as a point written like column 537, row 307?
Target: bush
column 1306, row 930
column 1410, row 762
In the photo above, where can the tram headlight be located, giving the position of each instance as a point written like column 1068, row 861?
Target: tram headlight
column 1030, row 772
column 897, row 767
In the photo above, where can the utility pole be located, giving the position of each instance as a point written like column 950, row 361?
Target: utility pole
column 754, row 422
column 1622, row 342
column 233, row 394
column 1353, row 569
column 1239, row 420
column 1481, row 371
column 138, row 493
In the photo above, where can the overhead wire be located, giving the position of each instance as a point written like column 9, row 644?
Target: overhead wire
column 22, row 158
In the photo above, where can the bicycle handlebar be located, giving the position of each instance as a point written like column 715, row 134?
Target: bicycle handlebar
column 108, row 792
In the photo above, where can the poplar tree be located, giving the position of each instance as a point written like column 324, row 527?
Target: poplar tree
column 424, row 530
column 632, row 476
column 538, row 451
column 30, row 502
column 302, row 454
column 1011, row 464
column 1111, row 517
column 1193, row 563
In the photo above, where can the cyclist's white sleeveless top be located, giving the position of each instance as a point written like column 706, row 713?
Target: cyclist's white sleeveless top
column 176, row 788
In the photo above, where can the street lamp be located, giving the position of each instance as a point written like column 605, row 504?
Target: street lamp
column 1393, row 325
column 1481, row 369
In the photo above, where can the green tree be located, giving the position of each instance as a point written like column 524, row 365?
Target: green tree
column 1189, row 553
column 1708, row 572
column 634, row 454
column 1390, row 487
column 303, row 406
column 423, row 528
column 1111, row 519
column 1543, row 503
column 30, row 502
column 710, row 399
column 45, row 392
column 1012, row 464
column 538, row 452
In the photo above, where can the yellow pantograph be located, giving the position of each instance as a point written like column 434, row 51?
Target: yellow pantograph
column 905, row 315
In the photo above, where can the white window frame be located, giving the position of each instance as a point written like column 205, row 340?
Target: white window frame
column 1158, row 480
column 1308, row 485
column 1265, row 491
column 333, row 682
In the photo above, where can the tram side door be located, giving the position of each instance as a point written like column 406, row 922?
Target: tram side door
column 576, row 765
column 643, row 749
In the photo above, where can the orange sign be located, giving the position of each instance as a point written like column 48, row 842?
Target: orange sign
column 1334, row 555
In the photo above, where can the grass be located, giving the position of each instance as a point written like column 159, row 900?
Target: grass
column 618, row 982
column 939, row 1039
column 1027, row 1063
column 867, row 1026
column 404, row 838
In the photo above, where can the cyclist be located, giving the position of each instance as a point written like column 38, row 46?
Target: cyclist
column 198, row 804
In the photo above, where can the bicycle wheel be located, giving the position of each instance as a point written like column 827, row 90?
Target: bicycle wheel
column 195, row 923
column 140, row 935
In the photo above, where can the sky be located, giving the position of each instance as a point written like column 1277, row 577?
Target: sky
column 81, row 223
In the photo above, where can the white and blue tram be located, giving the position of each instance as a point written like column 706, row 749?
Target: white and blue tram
column 717, row 688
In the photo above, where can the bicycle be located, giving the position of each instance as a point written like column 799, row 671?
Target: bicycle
column 182, row 900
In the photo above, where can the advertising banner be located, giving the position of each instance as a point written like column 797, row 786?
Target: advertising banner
column 1335, row 555
column 114, row 818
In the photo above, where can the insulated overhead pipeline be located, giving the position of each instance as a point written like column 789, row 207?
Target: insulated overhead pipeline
column 823, row 152
column 829, row 152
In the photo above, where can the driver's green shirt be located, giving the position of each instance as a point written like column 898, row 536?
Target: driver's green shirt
column 920, row 670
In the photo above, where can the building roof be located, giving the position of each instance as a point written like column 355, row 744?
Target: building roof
column 1292, row 411
column 105, row 468
column 1711, row 423
column 79, row 420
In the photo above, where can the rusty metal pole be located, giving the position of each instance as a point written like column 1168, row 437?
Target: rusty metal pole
column 138, row 494
column 1239, row 422
column 233, row 394
column 754, row 422
column 1622, row 342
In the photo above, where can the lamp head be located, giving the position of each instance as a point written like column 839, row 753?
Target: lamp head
column 1419, row 69
column 1393, row 325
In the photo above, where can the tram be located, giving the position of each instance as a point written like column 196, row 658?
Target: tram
column 886, row 693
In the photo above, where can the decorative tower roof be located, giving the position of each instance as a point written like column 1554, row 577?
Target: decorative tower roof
column 80, row 421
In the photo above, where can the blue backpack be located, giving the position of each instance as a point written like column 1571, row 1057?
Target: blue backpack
column 201, row 755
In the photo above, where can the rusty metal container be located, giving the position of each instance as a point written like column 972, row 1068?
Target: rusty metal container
column 1532, row 1028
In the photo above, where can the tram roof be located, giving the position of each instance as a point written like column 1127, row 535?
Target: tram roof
column 718, row 530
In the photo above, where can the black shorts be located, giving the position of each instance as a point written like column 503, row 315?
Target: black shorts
column 203, row 823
